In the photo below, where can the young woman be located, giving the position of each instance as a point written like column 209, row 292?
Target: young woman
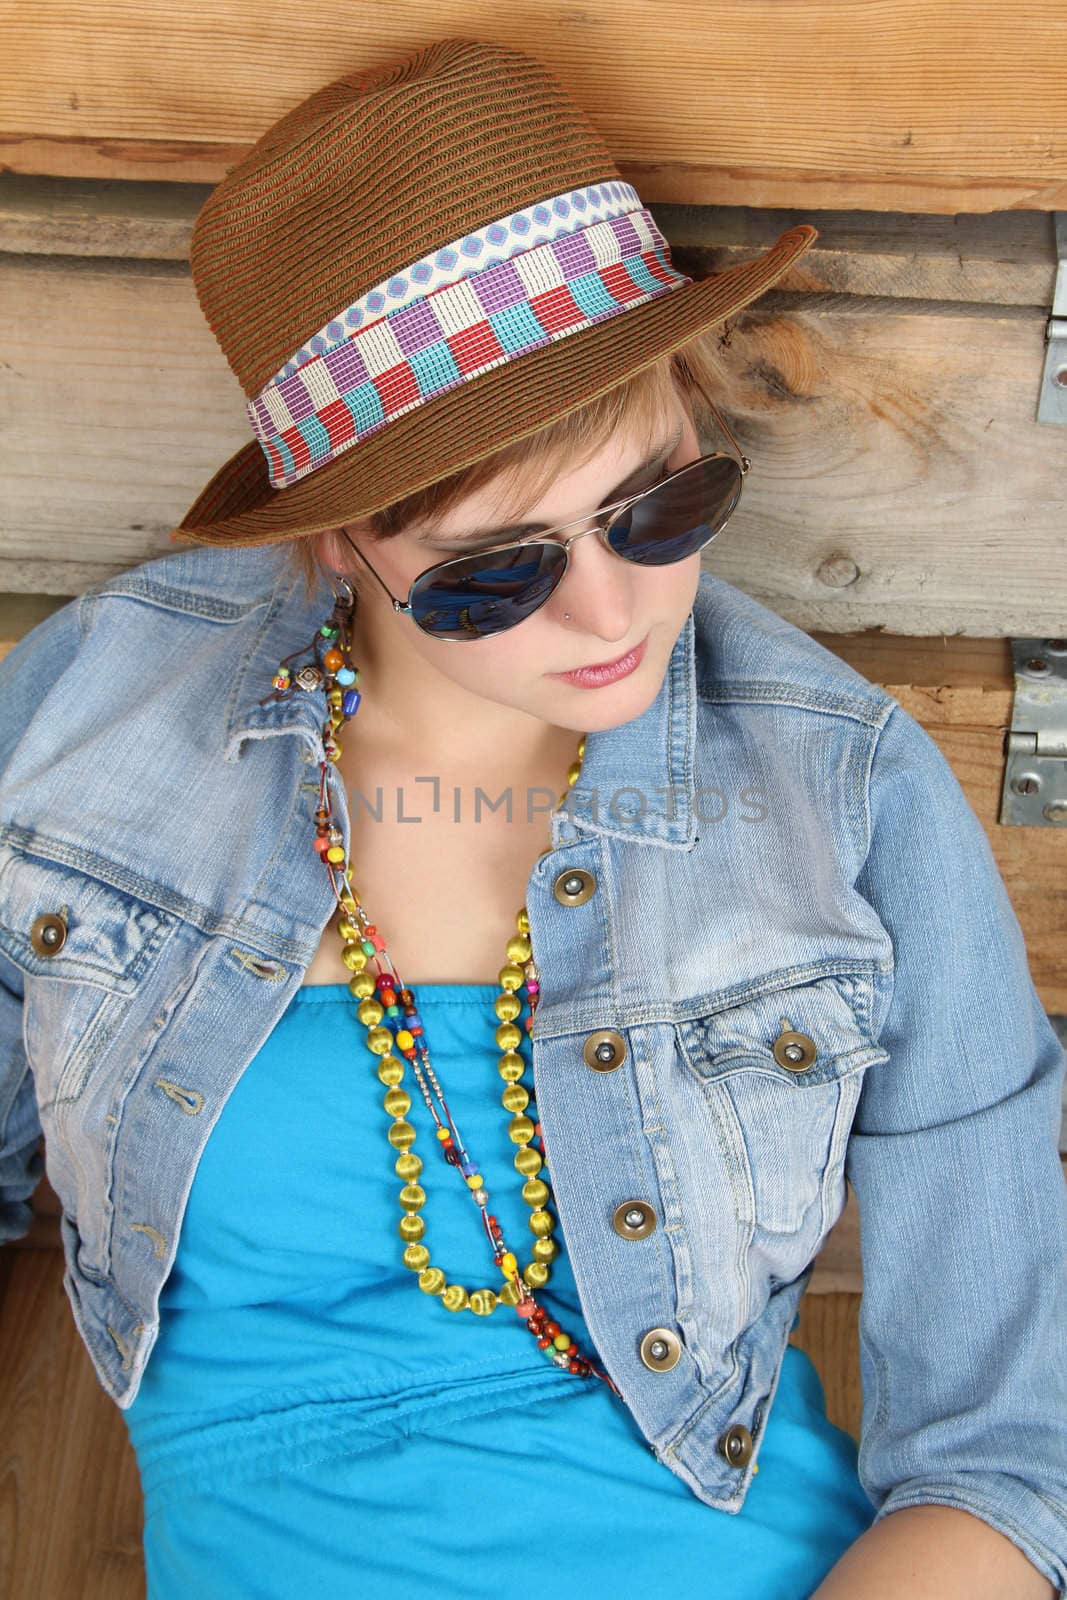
column 464, row 1246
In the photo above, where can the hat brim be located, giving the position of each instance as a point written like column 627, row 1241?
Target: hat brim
column 240, row 506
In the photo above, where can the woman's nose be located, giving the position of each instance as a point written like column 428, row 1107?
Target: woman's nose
column 596, row 591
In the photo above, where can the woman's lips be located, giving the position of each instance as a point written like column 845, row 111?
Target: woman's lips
column 610, row 672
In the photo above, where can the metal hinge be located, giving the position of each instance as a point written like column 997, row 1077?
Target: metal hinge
column 1035, row 746
column 1052, row 402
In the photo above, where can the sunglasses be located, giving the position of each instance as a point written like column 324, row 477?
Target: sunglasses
column 476, row 596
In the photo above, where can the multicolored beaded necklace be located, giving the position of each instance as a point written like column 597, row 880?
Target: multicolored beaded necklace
column 388, row 1011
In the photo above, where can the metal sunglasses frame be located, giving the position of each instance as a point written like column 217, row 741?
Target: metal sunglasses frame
column 404, row 607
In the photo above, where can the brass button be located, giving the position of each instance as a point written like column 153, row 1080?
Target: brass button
column 574, row 887
column 633, row 1220
column 660, row 1349
column 794, row 1051
column 736, row 1445
column 604, row 1050
column 48, row 934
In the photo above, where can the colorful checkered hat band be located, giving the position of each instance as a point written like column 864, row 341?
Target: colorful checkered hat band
column 531, row 278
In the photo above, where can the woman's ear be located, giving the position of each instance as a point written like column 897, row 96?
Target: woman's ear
column 334, row 551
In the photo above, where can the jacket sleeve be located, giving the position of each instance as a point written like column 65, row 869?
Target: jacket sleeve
column 953, row 1158
column 29, row 668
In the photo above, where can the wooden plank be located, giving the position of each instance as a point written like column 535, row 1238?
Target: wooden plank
column 912, row 104
column 961, row 693
column 71, row 1517
column 895, row 484
column 892, row 474
column 1007, row 258
column 21, row 612
column 127, row 391
column 105, row 217
column 940, row 663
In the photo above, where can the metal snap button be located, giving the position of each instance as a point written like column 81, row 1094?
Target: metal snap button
column 660, row 1349
column 604, row 1050
column 633, row 1219
column 794, row 1051
column 736, row 1445
column 49, row 933
column 574, row 887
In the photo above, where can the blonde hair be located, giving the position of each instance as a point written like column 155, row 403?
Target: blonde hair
column 529, row 465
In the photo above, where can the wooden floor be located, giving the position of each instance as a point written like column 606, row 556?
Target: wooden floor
column 70, row 1498
column 70, row 1505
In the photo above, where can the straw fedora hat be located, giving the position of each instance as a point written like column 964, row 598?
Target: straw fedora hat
column 418, row 264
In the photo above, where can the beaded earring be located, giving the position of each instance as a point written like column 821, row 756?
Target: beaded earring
column 387, row 1009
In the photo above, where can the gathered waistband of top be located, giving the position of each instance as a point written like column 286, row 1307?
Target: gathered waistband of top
column 190, row 1458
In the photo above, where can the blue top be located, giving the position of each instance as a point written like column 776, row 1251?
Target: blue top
column 310, row 1417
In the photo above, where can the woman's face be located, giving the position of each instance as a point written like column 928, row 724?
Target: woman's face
column 603, row 607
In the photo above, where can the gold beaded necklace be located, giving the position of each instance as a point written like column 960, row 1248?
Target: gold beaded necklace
column 381, row 996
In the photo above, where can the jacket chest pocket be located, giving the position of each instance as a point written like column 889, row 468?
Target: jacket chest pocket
column 83, row 947
column 782, row 1073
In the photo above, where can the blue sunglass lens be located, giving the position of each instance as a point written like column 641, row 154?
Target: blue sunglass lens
column 482, row 595
column 683, row 515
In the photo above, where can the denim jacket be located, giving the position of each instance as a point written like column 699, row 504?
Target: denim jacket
column 775, row 952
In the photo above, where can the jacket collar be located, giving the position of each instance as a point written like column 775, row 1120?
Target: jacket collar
column 636, row 781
